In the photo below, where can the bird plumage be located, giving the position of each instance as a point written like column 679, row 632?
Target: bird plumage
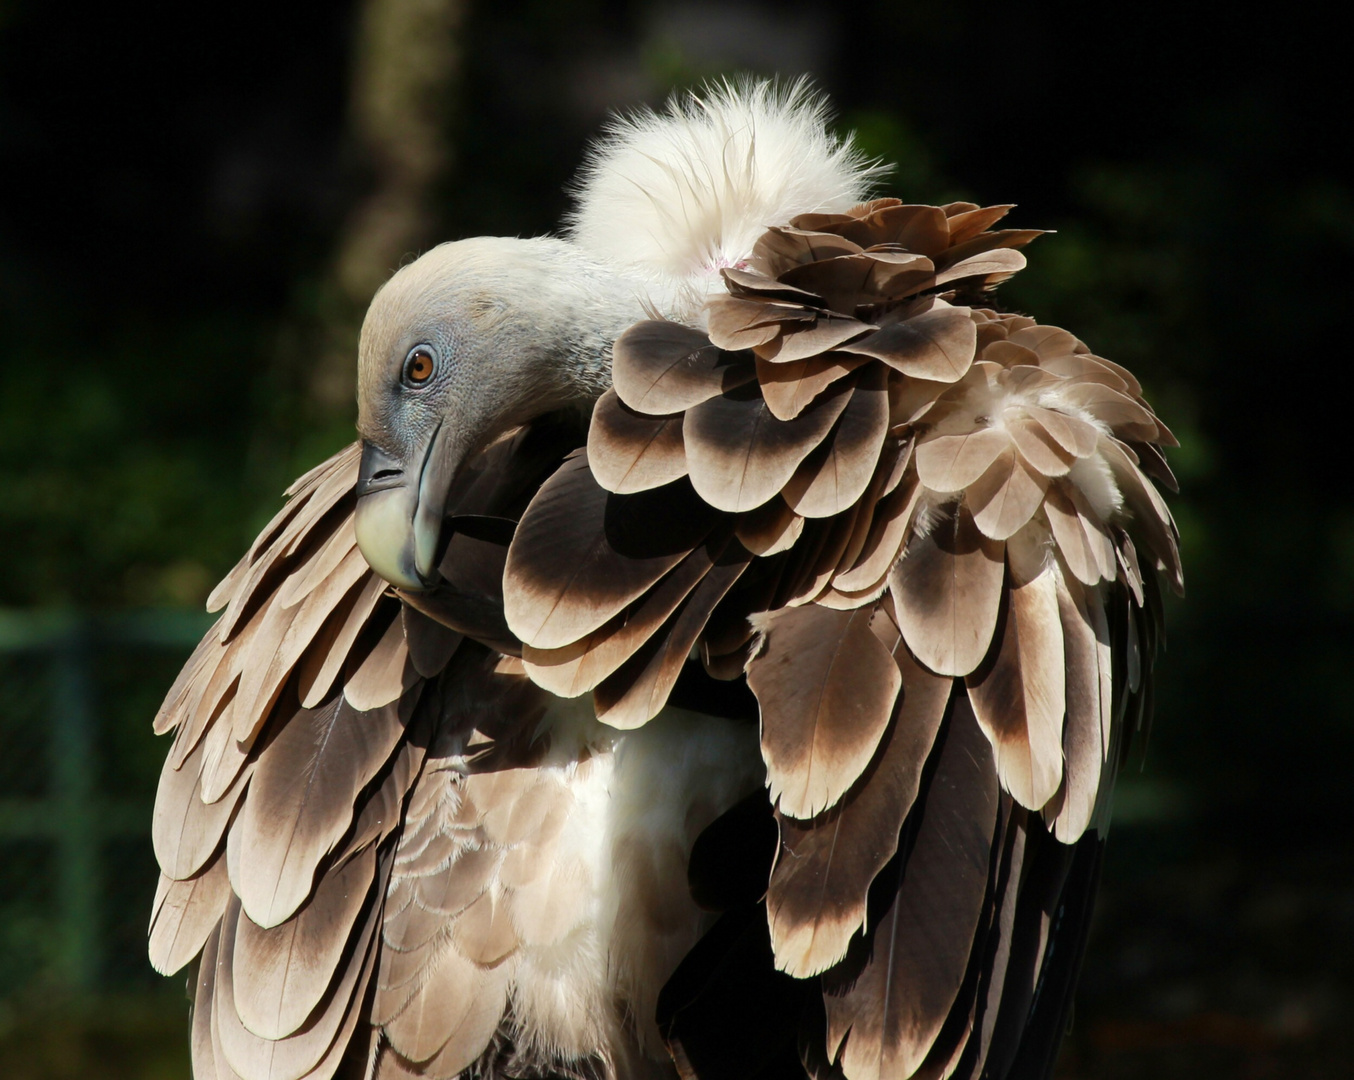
column 674, row 197
column 755, row 676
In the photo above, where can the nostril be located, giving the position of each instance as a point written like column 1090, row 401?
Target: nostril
column 386, row 474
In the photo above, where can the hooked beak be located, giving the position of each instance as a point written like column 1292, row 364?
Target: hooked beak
column 400, row 508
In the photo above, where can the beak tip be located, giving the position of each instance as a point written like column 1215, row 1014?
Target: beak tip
column 384, row 537
column 399, row 514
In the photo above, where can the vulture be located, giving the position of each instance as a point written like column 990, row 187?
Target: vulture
column 713, row 660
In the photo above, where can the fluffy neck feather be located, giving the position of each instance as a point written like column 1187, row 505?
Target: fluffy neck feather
column 670, row 198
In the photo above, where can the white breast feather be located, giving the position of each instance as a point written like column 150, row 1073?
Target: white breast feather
column 638, row 801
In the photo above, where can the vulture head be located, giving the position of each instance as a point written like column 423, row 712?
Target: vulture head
column 472, row 339
column 481, row 335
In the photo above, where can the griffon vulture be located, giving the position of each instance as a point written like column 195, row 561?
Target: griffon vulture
column 713, row 661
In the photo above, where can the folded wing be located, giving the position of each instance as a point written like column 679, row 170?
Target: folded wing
column 916, row 526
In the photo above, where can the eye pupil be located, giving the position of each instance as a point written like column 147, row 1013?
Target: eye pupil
column 419, row 367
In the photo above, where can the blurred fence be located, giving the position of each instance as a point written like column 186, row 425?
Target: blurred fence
column 78, row 770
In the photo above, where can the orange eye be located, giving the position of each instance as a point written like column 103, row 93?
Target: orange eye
column 418, row 366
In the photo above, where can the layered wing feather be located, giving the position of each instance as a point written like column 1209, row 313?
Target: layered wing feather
column 302, row 840
column 935, row 510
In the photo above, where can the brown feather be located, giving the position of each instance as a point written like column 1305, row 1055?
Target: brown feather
column 989, row 267
column 826, row 687
column 1019, row 692
column 225, row 761
column 299, row 1054
column 883, row 544
column 320, row 667
column 841, row 529
column 1003, row 927
column 835, row 475
column 536, row 816
column 738, row 323
column 186, row 912
column 637, row 691
column 1121, row 413
column 205, row 700
column 1039, row 449
column 816, row 900
column 185, row 831
column 220, row 1065
column 1098, row 618
column 789, row 387
column 449, row 892
column 379, row 813
column 868, row 277
column 985, row 243
column 283, row 636
column 1098, row 536
column 950, row 1054
column 225, row 589
column 891, row 1014
column 947, row 591
column 469, row 598
column 337, row 481
column 953, row 462
column 203, row 659
column 310, row 480
column 1130, row 573
column 473, row 1029
column 967, row 224
column 885, row 474
column 1073, row 434
column 937, row 344
column 914, row 227
column 281, row 974
column 784, row 245
column 484, row 932
column 1133, row 651
column 630, row 451
column 577, row 668
column 229, row 586
column 798, row 574
column 1074, row 543
column 1153, row 463
column 769, row 529
column 827, row 331
column 662, row 367
column 204, row 990
column 432, row 1014
column 430, row 644
column 1043, row 873
column 301, row 801
column 271, row 551
column 563, row 578
column 1070, row 812
column 385, row 674
column 1006, row 496
column 320, row 564
column 740, row 455
column 1152, row 520
column 1048, row 341
column 759, row 286
column 323, row 643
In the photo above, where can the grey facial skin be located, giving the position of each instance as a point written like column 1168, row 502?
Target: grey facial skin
column 515, row 329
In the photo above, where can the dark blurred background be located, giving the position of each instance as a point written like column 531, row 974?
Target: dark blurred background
column 196, row 201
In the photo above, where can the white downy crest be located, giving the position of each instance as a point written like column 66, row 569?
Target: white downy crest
column 672, row 197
